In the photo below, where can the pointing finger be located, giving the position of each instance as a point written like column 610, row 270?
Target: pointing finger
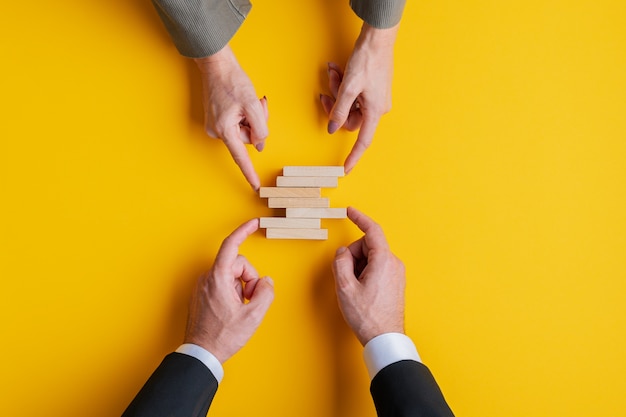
column 363, row 141
column 240, row 155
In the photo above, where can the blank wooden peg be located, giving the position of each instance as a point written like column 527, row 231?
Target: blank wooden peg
column 266, row 192
column 317, row 213
column 324, row 182
column 285, row 223
column 313, row 171
column 283, row 202
column 309, row 234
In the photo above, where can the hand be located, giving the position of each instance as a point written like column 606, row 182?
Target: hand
column 370, row 282
column 232, row 111
column 220, row 320
column 361, row 94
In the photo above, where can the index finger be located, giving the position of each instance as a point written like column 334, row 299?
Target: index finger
column 227, row 255
column 363, row 141
column 240, row 155
column 374, row 235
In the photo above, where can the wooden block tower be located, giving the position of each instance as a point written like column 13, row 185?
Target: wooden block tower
column 299, row 191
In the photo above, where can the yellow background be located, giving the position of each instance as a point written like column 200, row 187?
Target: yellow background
column 499, row 177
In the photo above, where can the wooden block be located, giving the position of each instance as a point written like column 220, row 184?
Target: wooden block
column 310, row 234
column 285, row 223
column 313, row 171
column 283, row 202
column 324, row 182
column 317, row 213
column 266, row 192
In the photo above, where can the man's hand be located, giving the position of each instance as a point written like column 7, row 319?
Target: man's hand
column 362, row 94
column 220, row 320
column 232, row 111
column 370, row 282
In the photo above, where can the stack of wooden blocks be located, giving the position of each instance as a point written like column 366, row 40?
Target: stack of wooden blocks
column 299, row 191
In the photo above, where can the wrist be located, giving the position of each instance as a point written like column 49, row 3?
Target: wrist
column 378, row 38
column 210, row 347
column 366, row 335
column 219, row 61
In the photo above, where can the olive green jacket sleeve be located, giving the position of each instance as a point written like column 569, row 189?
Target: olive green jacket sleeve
column 201, row 28
column 381, row 14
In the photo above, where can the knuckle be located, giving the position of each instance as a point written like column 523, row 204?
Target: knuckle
column 375, row 225
column 255, row 314
column 385, row 106
column 208, row 129
column 378, row 110
column 400, row 265
column 220, row 129
column 362, row 145
column 338, row 269
column 340, row 113
column 344, row 287
column 351, row 89
column 220, row 269
column 252, row 104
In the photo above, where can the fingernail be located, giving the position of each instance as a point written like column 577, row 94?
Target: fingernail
column 269, row 281
column 341, row 250
column 332, row 127
column 264, row 98
column 260, row 146
column 255, row 188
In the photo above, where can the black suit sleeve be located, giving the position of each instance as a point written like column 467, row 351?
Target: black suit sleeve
column 181, row 386
column 408, row 389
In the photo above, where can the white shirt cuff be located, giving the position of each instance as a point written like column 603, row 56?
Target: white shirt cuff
column 388, row 348
column 205, row 357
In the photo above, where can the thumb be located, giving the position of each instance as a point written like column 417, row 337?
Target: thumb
column 341, row 110
column 343, row 268
column 262, row 297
